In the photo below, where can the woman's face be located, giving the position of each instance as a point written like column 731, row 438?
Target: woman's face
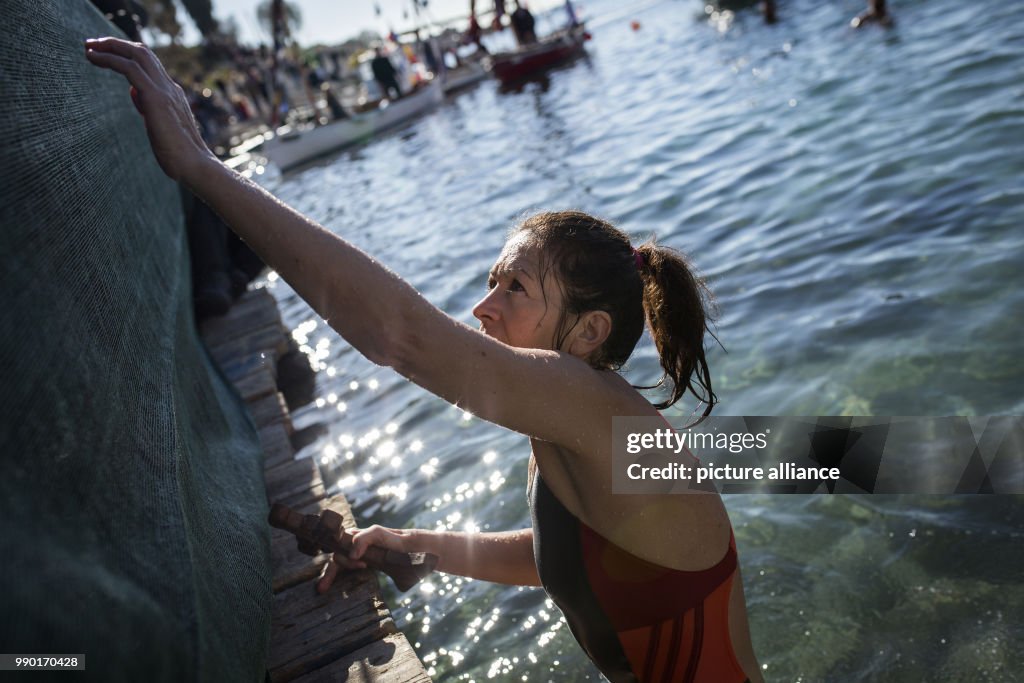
column 519, row 309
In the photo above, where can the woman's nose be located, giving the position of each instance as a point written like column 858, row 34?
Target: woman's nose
column 487, row 308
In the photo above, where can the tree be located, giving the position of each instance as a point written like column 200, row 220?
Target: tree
column 201, row 12
column 229, row 30
column 163, row 17
column 290, row 21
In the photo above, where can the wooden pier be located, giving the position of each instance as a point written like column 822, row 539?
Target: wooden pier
column 349, row 633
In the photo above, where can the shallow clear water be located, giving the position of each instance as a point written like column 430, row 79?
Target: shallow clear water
column 856, row 200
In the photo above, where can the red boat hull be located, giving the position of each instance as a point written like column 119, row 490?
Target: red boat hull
column 511, row 67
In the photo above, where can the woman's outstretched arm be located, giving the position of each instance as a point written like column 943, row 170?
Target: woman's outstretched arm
column 500, row 557
column 549, row 395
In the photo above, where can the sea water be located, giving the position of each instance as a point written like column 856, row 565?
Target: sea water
column 855, row 199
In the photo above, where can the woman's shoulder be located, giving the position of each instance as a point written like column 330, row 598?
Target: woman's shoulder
column 628, row 401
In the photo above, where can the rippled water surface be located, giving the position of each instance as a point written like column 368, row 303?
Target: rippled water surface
column 855, row 199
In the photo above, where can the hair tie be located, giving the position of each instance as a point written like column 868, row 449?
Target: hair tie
column 638, row 258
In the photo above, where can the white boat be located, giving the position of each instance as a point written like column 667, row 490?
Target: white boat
column 464, row 75
column 292, row 146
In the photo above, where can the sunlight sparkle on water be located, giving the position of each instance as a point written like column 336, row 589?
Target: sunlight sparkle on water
column 398, row 491
column 301, row 333
column 330, row 453
column 370, row 438
column 386, row 450
column 501, row 665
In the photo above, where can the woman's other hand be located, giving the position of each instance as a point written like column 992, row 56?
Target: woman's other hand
column 393, row 539
column 173, row 133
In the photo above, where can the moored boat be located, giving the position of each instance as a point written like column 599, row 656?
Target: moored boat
column 294, row 145
column 511, row 67
column 463, row 76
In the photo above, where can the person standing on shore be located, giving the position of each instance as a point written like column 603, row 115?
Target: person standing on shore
column 649, row 585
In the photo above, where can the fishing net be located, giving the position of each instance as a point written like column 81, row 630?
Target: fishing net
column 132, row 509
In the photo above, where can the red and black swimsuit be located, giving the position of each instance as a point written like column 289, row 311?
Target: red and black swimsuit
column 636, row 620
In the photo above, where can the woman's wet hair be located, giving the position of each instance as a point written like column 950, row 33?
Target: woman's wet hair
column 598, row 269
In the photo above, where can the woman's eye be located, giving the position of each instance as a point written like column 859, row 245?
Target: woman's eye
column 514, row 285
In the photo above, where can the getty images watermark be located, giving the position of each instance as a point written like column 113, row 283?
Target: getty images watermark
column 678, row 442
column 819, row 455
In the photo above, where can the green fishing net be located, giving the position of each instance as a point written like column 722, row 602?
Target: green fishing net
column 132, row 508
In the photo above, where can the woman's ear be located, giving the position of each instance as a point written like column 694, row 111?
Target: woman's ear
column 589, row 333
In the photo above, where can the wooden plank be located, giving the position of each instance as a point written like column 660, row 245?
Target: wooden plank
column 253, row 298
column 269, row 340
column 219, row 331
column 389, row 660
column 310, row 630
column 256, row 384
column 291, row 478
column 291, row 567
column 237, row 368
column 313, row 494
column 270, row 410
column 238, row 321
column 347, row 634
column 277, row 446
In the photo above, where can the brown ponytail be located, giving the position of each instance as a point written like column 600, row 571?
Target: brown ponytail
column 598, row 269
column 679, row 309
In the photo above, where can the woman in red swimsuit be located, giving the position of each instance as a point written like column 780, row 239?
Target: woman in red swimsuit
column 649, row 585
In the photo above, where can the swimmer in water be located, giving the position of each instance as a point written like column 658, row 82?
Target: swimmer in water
column 876, row 13
column 650, row 585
